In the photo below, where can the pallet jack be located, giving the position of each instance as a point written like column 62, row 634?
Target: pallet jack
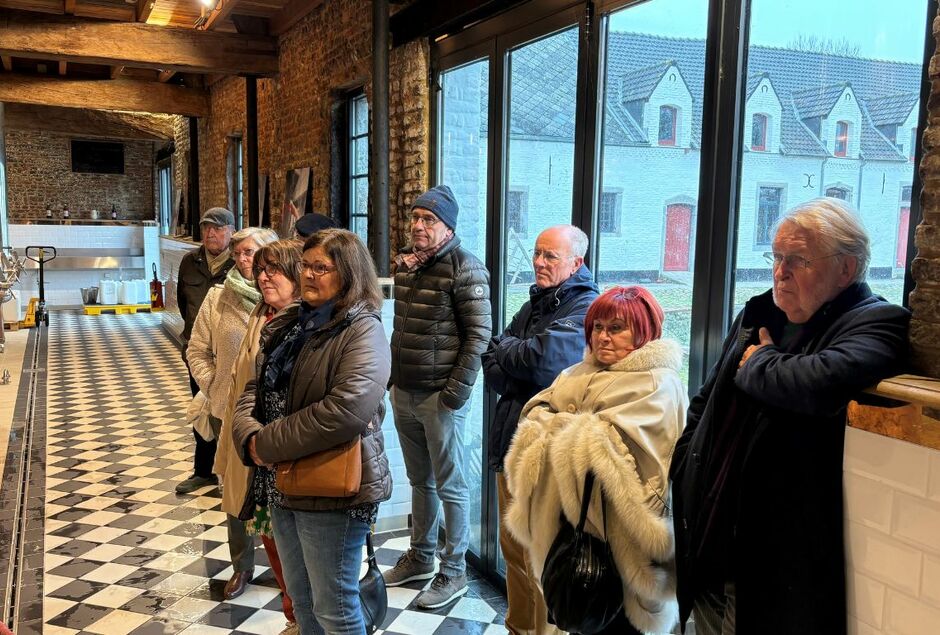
column 42, row 315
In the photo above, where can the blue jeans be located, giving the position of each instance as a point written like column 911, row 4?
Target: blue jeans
column 431, row 438
column 321, row 553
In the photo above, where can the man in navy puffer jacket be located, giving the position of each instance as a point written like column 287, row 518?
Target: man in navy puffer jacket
column 545, row 337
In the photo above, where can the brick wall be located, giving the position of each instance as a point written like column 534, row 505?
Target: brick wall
column 925, row 299
column 39, row 173
column 321, row 58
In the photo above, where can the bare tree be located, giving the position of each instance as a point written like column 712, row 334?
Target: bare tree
column 826, row 46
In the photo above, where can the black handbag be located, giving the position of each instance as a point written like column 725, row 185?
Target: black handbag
column 373, row 598
column 582, row 588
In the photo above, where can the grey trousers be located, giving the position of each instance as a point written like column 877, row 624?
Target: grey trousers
column 241, row 546
column 714, row 613
column 431, row 438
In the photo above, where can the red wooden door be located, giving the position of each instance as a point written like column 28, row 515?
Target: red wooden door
column 904, row 224
column 678, row 233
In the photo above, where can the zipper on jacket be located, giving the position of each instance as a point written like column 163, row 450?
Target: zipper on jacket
column 404, row 319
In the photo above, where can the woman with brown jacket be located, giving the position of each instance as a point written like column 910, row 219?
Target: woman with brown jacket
column 320, row 383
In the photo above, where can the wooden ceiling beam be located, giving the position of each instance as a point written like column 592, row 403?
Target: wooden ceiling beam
column 144, row 8
column 223, row 9
column 122, row 94
column 7, row 62
column 69, row 7
column 165, row 76
column 88, row 123
column 135, row 44
column 116, row 71
column 63, row 68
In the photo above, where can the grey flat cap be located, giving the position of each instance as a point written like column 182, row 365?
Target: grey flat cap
column 218, row 216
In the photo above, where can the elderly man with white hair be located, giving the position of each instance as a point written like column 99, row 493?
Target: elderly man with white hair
column 757, row 474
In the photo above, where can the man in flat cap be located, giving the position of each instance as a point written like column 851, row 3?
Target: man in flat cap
column 200, row 269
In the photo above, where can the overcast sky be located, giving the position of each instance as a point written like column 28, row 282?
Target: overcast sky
column 882, row 29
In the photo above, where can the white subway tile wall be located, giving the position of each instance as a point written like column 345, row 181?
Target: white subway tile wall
column 892, row 535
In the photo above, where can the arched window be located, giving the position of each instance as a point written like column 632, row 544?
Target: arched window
column 842, row 138
column 838, row 191
column 668, row 118
column 759, row 133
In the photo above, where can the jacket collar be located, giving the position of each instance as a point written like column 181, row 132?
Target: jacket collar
column 580, row 281
column 446, row 249
column 762, row 307
column 289, row 314
column 661, row 353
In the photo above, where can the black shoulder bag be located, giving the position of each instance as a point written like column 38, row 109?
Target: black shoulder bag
column 373, row 598
column 583, row 591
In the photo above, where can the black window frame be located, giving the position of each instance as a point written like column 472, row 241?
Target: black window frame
column 350, row 176
column 716, row 209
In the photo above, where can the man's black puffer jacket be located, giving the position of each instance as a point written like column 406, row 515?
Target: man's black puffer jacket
column 443, row 322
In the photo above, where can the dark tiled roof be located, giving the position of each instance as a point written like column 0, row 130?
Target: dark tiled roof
column 817, row 101
column 544, row 105
column 891, row 109
column 640, row 84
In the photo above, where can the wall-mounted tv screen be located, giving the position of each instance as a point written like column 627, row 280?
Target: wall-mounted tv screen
column 97, row 157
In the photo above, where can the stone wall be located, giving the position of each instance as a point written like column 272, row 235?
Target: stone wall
column 322, row 58
column 39, row 174
column 925, row 299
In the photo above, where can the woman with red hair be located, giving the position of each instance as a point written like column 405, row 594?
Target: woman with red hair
column 618, row 415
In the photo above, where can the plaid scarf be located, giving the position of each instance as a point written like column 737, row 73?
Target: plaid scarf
column 413, row 260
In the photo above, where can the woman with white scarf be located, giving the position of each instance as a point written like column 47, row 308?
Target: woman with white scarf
column 217, row 335
column 617, row 414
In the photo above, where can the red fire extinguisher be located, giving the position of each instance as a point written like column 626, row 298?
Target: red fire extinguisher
column 156, row 291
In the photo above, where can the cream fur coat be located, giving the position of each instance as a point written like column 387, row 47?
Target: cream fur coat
column 622, row 422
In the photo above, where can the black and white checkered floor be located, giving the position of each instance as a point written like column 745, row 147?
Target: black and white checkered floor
column 124, row 553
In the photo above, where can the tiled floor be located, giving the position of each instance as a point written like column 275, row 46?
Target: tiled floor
column 122, row 552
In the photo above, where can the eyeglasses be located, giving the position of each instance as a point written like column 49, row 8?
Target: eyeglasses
column 550, row 257
column 268, row 269
column 613, row 330
column 792, row 261
column 244, row 253
column 429, row 221
column 317, row 268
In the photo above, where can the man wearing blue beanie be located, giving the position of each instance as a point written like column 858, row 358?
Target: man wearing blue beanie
column 442, row 326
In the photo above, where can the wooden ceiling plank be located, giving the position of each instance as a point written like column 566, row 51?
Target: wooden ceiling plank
column 7, row 62
column 135, row 44
column 223, row 9
column 41, row 6
column 124, row 94
column 291, row 14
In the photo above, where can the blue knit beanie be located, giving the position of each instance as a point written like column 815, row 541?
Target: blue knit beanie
column 441, row 201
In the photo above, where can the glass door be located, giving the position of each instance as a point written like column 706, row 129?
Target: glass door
column 463, row 166
column 650, row 149
column 831, row 109
column 538, row 183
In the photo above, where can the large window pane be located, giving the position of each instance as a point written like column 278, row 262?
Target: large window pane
column 651, row 147
column 834, row 86
column 539, row 178
column 463, row 167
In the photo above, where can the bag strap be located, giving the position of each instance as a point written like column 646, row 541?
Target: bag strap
column 586, row 503
column 369, row 550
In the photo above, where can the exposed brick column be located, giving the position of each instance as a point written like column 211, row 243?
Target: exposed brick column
column 925, row 299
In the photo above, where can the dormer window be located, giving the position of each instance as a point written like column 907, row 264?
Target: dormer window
column 842, row 138
column 668, row 118
column 759, row 133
